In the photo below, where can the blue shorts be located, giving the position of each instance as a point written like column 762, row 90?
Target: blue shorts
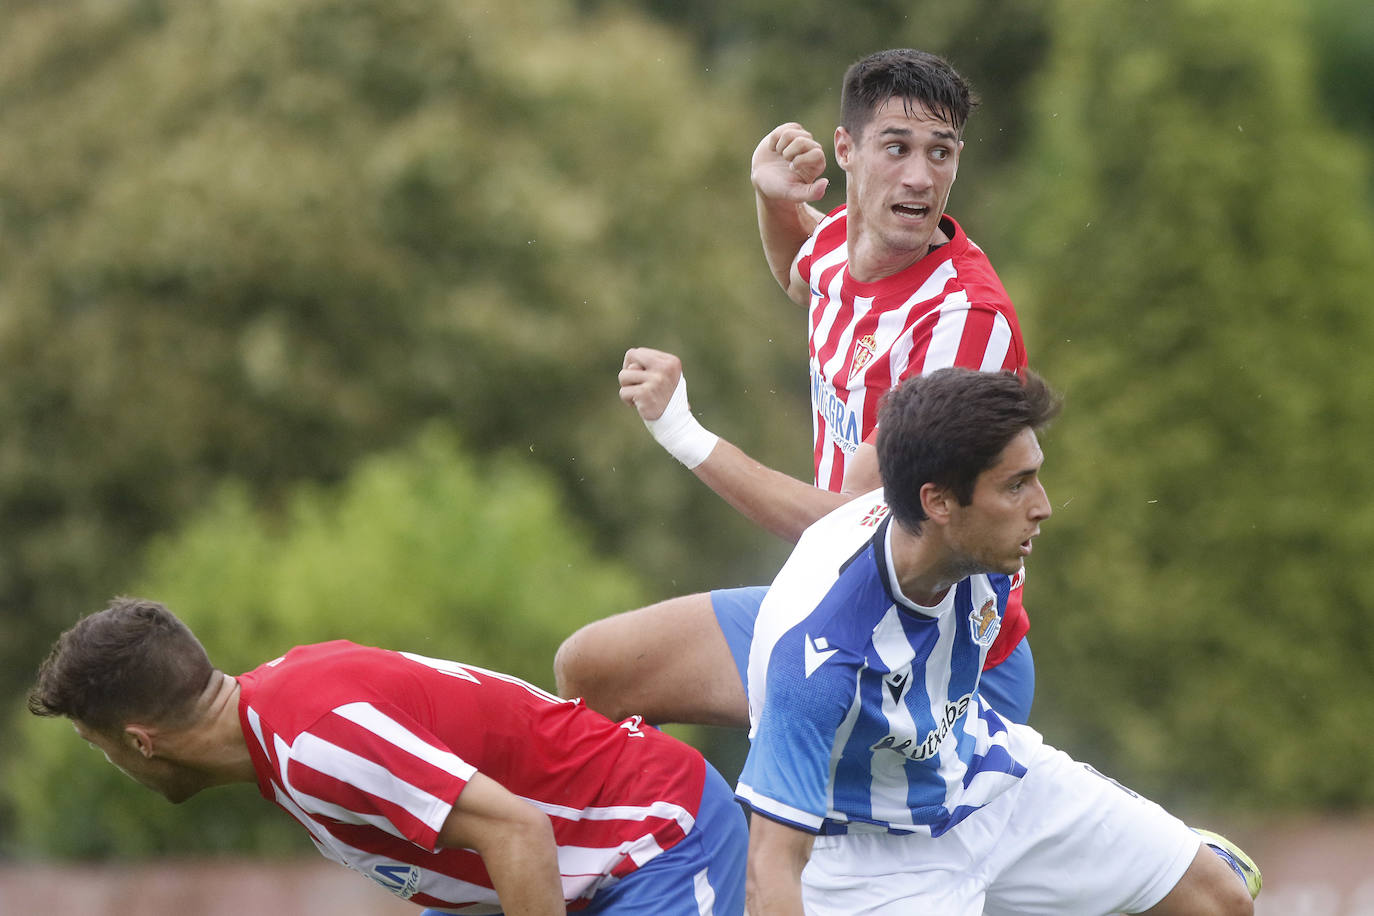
column 701, row 876
column 1009, row 687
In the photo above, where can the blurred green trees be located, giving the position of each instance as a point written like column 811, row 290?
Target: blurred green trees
column 263, row 240
column 1199, row 277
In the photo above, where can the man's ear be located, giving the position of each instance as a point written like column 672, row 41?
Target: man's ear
column 844, row 147
column 938, row 502
column 139, row 738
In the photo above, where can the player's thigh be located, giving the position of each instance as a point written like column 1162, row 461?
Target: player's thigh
column 881, row 874
column 1009, row 687
column 1080, row 843
column 668, row 662
column 701, row 876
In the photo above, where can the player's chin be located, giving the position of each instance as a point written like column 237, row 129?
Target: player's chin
column 1012, row 566
column 178, row 794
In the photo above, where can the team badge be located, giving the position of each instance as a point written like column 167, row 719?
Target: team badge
column 864, row 350
column 985, row 623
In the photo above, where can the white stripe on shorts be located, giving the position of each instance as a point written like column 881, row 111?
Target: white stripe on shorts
column 705, row 894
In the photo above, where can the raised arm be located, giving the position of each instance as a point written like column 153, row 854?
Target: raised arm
column 516, row 843
column 777, row 855
column 787, row 172
column 652, row 382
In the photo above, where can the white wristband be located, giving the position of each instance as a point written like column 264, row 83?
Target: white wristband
column 679, row 432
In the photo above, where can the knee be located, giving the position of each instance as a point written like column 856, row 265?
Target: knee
column 570, row 665
column 586, row 665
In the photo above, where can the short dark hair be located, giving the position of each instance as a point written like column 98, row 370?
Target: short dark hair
column 916, row 77
column 950, row 426
column 132, row 662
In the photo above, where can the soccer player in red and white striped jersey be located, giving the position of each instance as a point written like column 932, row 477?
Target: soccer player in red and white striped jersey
column 893, row 288
column 454, row 787
column 946, row 309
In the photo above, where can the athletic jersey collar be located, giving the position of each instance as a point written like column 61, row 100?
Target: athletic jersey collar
column 918, row 272
column 882, row 555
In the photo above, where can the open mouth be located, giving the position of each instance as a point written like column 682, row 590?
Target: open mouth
column 912, row 211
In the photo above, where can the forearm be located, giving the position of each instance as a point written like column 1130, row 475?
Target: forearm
column 523, row 866
column 777, row 857
column 770, row 499
column 772, row 895
column 516, row 843
column 783, row 228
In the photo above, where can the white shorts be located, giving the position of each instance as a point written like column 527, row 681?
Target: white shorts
column 1066, row 841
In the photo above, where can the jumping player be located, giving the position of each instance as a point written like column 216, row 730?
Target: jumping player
column 893, row 288
column 880, row 779
column 449, row 785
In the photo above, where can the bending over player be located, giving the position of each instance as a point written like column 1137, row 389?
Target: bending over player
column 893, row 288
column 449, row 785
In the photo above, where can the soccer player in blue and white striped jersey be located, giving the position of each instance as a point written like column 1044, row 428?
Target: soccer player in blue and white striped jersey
column 880, row 781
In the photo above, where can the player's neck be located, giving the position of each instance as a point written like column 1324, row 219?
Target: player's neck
column 871, row 260
column 216, row 746
column 920, row 564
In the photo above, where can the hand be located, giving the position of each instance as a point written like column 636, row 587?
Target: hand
column 652, row 382
column 788, row 165
column 648, row 379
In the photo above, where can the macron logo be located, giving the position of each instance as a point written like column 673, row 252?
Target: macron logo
column 817, row 651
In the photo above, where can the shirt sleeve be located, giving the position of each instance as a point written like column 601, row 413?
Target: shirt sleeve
column 373, row 764
column 802, row 262
column 810, row 689
column 963, row 334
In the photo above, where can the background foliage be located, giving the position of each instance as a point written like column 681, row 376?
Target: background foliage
column 310, row 315
column 1200, row 280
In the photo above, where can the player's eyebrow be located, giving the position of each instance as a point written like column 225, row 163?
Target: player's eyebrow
column 941, row 133
column 1026, row 473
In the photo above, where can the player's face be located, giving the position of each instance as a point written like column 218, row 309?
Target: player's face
column 900, row 170
column 993, row 533
column 173, row 782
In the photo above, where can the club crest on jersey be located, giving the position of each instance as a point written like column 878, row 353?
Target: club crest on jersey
column 985, row 623
column 864, row 349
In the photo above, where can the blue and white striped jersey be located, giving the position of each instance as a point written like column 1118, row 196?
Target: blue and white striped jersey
column 864, row 707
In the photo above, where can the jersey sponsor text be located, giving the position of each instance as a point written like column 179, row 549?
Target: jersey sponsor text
column 927, row 748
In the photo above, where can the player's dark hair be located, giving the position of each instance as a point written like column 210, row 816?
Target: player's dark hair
column 918, row 78
column 948, row 427
column 132, row 662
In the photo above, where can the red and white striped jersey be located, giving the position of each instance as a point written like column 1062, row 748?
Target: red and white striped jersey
column 369, row 749
column 947, row 309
